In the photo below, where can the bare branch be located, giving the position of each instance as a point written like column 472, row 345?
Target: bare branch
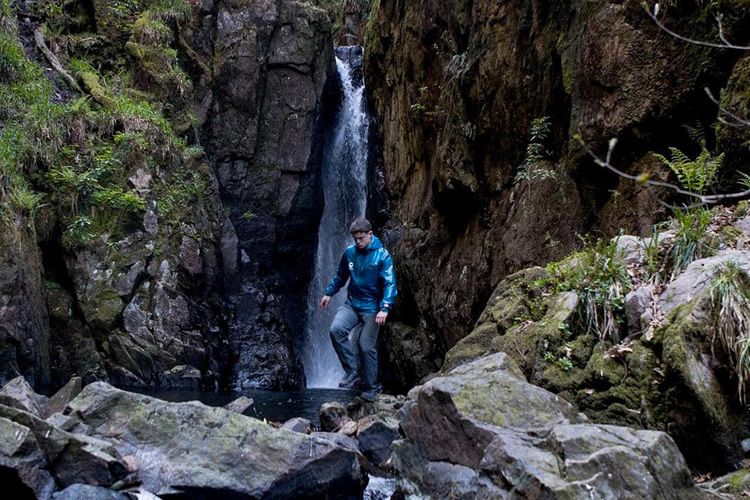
column 726, row 45
column 643, row 179
column 722, row 109
column 39, row 39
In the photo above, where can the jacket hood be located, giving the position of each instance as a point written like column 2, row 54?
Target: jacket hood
column 374, row 244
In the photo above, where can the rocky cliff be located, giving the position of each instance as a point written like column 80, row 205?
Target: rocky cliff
column 160, row 207
column 480, row 104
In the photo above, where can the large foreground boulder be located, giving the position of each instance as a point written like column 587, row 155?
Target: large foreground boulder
column 482, row 431
column 189, row 450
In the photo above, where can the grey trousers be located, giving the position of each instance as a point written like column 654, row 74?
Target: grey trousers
column 360, row 356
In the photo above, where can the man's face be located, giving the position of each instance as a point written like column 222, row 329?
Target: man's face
column 361, row 240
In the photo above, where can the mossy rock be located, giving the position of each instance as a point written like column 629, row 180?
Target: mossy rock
column 732, row 139
column 742, row 209
column 700, row 413
column 602, row 370
column 103, row 308
column 509, row 306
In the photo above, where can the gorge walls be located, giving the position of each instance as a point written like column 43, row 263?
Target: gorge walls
column 159, row 223
column 457, row 87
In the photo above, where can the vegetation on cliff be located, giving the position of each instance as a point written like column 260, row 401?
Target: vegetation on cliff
column 96, row 152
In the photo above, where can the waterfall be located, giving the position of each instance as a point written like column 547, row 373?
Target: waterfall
column 345, row 194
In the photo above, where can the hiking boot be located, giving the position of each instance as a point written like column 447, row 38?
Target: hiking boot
column 350, row 381
column 369, row 396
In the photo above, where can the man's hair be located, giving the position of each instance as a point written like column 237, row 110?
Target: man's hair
column 360, row 225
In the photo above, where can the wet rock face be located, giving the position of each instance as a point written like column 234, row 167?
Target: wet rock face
column 24, row 328
column 205, row 288
column 456, row 87
column 270, row 64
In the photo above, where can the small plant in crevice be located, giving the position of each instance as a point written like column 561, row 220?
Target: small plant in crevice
column 730, row 298
column 562, row 362
column 655, row 259
column 601, row 282
column 536, row 152
column 690, row 245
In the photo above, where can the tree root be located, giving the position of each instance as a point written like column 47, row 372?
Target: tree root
column 52, row 58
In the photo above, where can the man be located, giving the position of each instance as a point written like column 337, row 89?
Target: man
column 372, row 288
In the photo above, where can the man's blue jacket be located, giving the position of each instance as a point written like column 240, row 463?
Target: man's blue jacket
column 373, row 283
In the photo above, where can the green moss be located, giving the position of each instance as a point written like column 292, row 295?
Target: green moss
column 603, row 370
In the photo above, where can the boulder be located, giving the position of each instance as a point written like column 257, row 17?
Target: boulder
column 242, row 404
column 375, row 434
column 332, row 416
column 62, row 397
column 88, row 492
column 22, row 463
column 21, row 395
column 637, row 303
column 183, row 377
column 349, row 428
column 481, row 431
column 630, row 249
column 71, row 458
column 199, row 451
column 298, row 424
column 696, row 279
column 340, row 439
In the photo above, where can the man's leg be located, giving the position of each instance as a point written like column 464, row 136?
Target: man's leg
column 368, row 350
column 345, row 320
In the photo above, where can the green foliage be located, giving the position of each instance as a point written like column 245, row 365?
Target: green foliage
column 562, row 362
column 730, row 296
column 14, row 65
column 7, row 10
column 178, row 193
column 116, row 198
column 536, row 152
column 78, row 232
column 693, row 175
column 601, row 282
column 745, row 180
column 179, row 10
column 656, row 262
column 691, row 225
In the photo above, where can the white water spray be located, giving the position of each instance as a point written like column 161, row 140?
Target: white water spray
column 345, row 194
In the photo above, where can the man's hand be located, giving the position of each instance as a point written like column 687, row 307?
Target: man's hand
column 324, row 301
column 380, row 318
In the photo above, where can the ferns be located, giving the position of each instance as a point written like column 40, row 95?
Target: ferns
column 694, row 175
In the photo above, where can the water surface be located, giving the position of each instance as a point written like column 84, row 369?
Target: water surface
column 274, row 406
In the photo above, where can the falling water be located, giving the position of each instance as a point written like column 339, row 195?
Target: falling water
column 345, row 193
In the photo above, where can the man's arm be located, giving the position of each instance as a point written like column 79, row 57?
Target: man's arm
column 342, row 274
column 388, row 282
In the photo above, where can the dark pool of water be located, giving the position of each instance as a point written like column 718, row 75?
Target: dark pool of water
column 272, row 405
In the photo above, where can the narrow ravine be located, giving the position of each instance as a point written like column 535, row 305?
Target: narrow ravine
column 345, row 194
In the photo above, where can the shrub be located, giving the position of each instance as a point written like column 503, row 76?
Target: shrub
column 601, row 282
column 730, row 297
column 536, row 152
column 692, row 225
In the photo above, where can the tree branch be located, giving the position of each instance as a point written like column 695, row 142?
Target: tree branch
column 740, row 121
column 725, row 45
column 54, row 61
column 643, row 178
